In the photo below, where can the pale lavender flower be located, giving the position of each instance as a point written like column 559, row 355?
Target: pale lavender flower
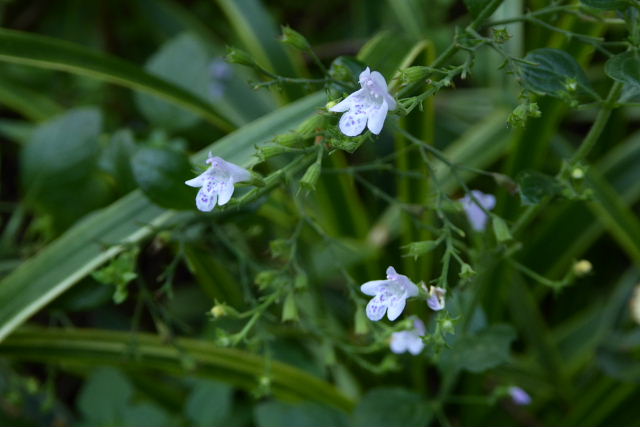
column 367, row 106
column 477, row 217
column 220, row 73
column 519, row 396
column 410, row 340
column 217, row 183
column 389, row 295
column 436, row 298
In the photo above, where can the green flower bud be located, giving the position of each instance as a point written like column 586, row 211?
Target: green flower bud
column 311, row 126
column 239, row 56
column 582, row 267
column 501, row 230
column 310, row 177
column 271, row 150
column 414, row 74
column 290, row 139
column 416, row 249
column 294, row 39
column 289, row 309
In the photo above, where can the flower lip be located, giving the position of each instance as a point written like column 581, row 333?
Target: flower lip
column 389, row 296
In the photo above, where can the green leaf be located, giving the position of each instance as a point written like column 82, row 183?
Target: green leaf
column 47, row 52
column 209, row 403
column 92, row 403
column 534, row 186
column 307, row 414
column 33, row 105
column 476, row 6
column 115, row 159
column 606, row 4
column 160, row 173
column 100, row 347
column 386, row 52
column 389, row 407
column 100, row 237
column 59, row 166
column 477, row 353
column 556, row 72
column 625, row 68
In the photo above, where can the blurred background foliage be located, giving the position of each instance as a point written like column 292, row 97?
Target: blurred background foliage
column 102, row 252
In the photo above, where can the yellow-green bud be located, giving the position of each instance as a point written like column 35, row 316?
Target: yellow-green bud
column 271, row 150
column 289, row 139
column 311, row 126
column 294, row 39
column 218, row 311
column 501, row 230
column 331, row 104
column 310, row 177
column 577, row 173
column 239, row 56
column 289, row 309
column 582, row 267
column 415, row 74
column 416, row 249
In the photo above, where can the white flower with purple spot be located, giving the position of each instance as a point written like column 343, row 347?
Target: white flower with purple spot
column 389, row 295
column 216, row 183
column 410, row 340
column 367, row 106
column 436, row 298
column 519, row 396
column 477, row 217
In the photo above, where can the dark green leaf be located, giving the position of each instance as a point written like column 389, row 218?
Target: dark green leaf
column 209, row 403
column 389, row 407
column 535, row 186
column 93, row 402
column 477, row 353
column 59, row 166
column 161, row 173
column 625, row 68
column 556, row 73
column 307, row 414
column 116, row 159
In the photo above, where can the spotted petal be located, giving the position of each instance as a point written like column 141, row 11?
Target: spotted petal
column 348, row 102
column 353, row 122
column 376, row 309
column 207, row 197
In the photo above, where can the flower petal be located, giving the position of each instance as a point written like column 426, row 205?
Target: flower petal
column 418, row 326
column 225, row 191
column 398, row 342
column 353, row 122
column 396, row 305
column 415, row 344
column 197, row 181
column 206, row 198
column 376, row 309
column 346, row 103
column 376, row 115
column 365, row 74
column 378, row 80
column 435, row 303
column 374, row 287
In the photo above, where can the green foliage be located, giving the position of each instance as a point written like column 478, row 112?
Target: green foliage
column 274, row 414
column 209, row 403
column 625, row 68
column 606, row 4
column 535, row 186
column 160, row 173
column 479, row 352
column 120, row 271
column 554, row 72
column 387, row 406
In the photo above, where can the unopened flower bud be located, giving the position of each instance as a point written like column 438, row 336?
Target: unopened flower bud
column 582, row 267
column 310, row 177
column 577, row 173
column 271, row 150
column 635, row 304
column 289, row 309
column 414, row 74
column 311, row 126
column 289, row 139
column 218, row 311
column 239, row 56
column 294, row 39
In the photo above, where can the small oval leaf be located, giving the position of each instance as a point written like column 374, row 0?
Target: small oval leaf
column 556, row 71
column 625, row 68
